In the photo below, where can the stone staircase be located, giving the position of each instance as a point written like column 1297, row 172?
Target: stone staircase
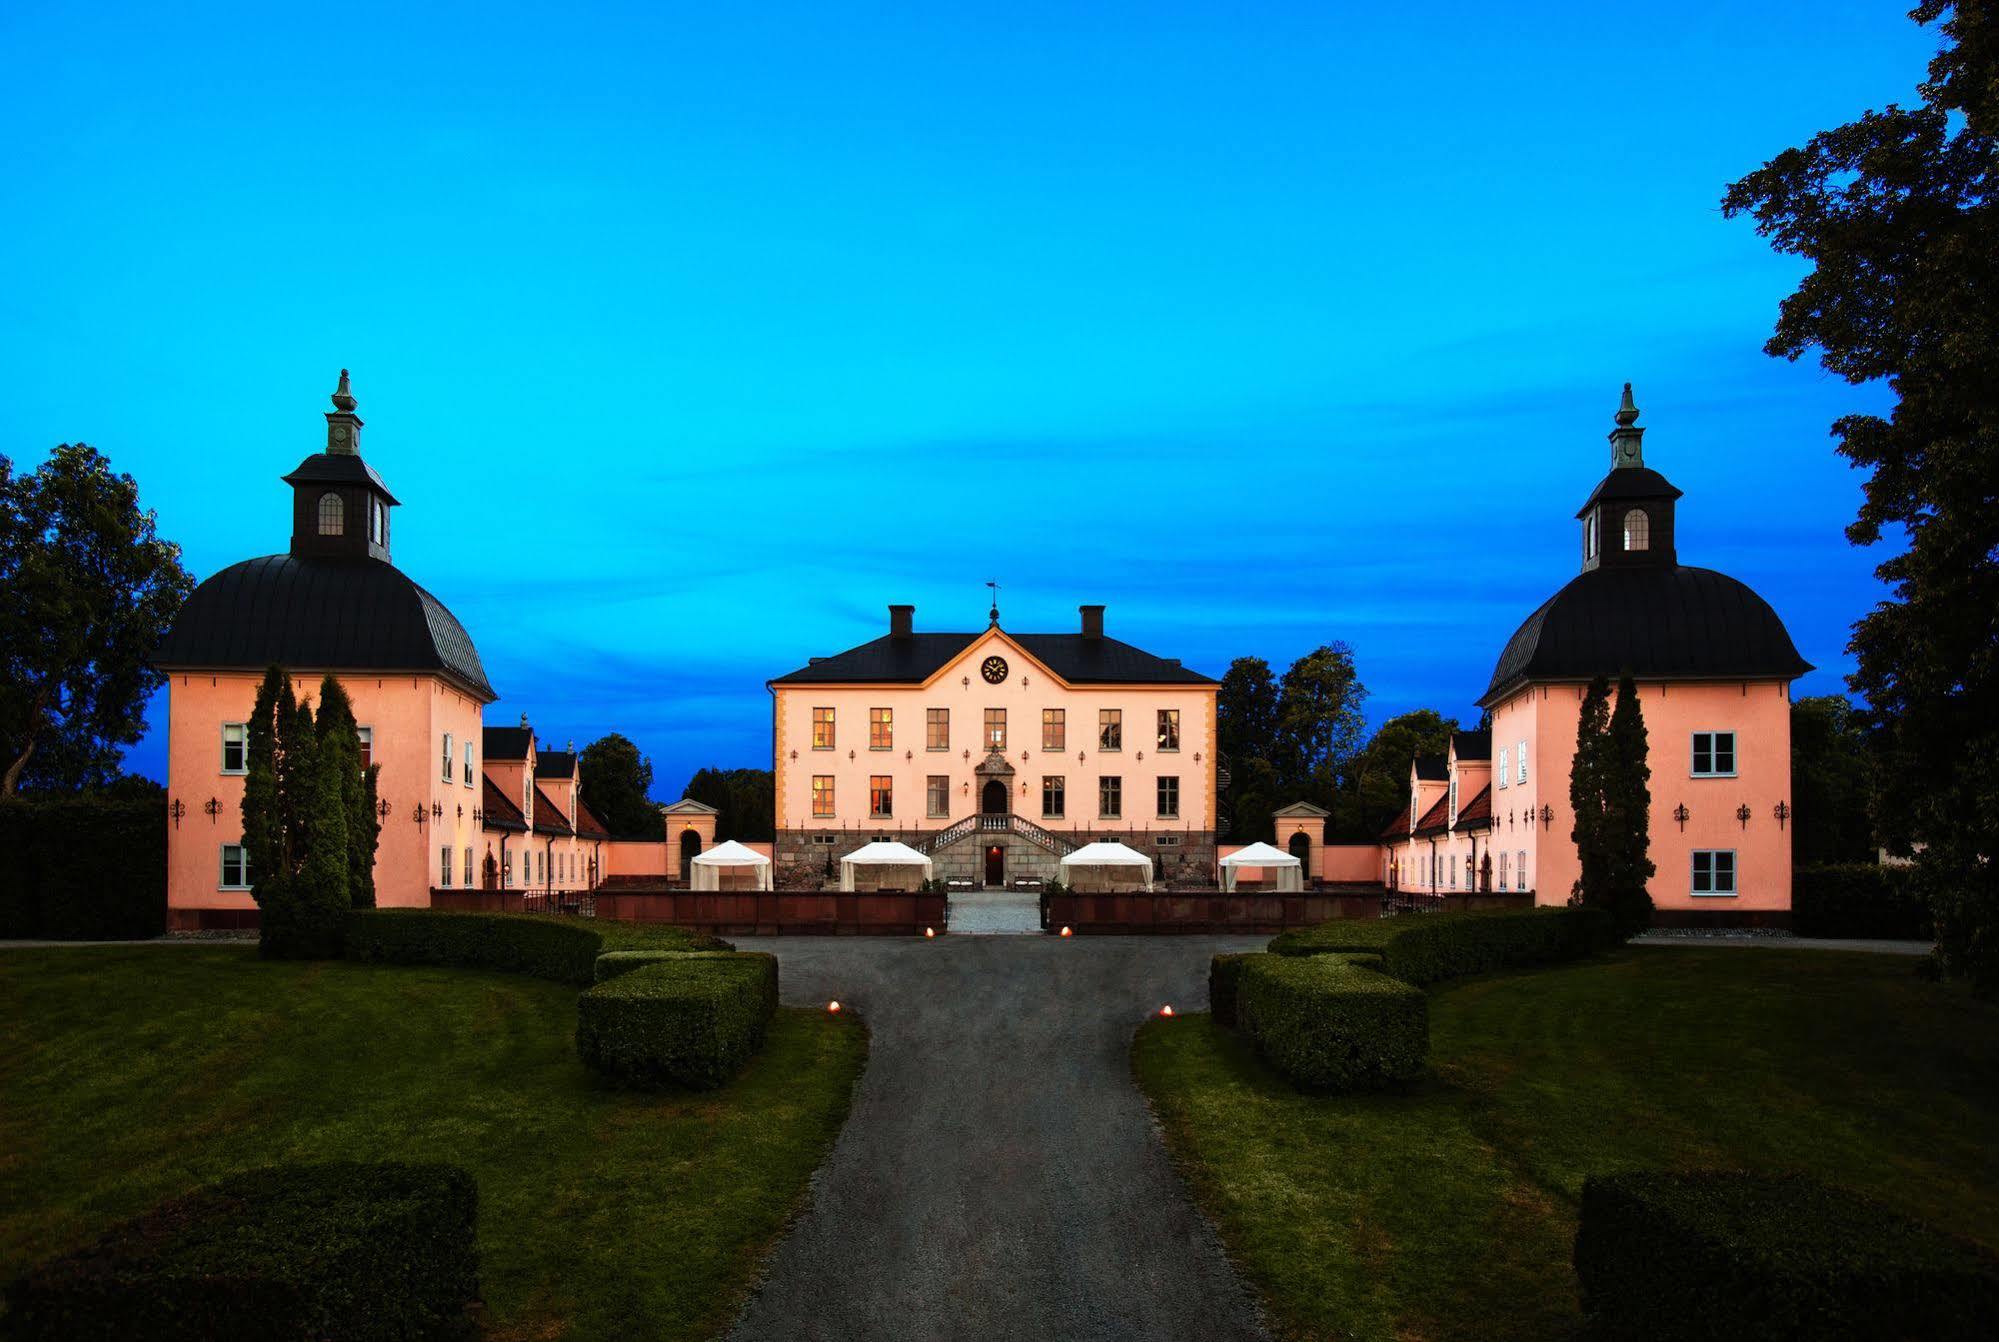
column 995, row 824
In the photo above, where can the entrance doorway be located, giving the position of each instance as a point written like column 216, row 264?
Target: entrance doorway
column 995, row 864
column 690, row 848
column 992, row 799
column 1301, row 848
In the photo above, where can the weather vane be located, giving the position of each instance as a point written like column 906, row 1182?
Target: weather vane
column 993, row 614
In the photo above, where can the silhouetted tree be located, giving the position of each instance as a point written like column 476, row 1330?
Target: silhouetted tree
column 338, row 735
column 746, row 800
column 1830, row 768
column 1589, row 789
column 616, row 779
column 1383, row 767
column 1627, row 832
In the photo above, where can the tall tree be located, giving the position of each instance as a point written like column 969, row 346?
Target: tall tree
column 1898, row 212
column 323, row 771
column 1831, row 763
column 1589, row 796
column 1628, row 814
column 1246, row 736
column 264, row 833
column 745, row 800
column 1382, row 771
column 616, row 781
column 338, row 735
column 87, row 591
column 295, row 825
column 1319, row 723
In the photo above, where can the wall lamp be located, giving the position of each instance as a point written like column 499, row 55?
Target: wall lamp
column 1547, row 817
column 1681, row 813
column 1743, row 813
column 1782, row 812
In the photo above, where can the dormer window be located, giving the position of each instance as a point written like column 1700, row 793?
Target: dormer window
column 332, row 515
column 1637, row 530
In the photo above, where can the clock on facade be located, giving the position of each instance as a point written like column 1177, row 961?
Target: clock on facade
column 993, row 669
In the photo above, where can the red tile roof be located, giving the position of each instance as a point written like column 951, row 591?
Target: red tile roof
column 499, row 808
column 587, row 824
column 1433, row 819
column 1476, row 813
column 548, row 817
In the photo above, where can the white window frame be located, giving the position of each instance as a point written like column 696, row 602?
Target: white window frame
column 450, row 757
column 222, row 867
column 366, row 736
column 1505, row 766
column 1520, row 764
column 446, row 859
column 1503, row 855
column 1714, row 873
column 1520, row 870
column 1451, row 808
column 1694, row 756
column 468, row 762
column 244, row 728
column 470, row 882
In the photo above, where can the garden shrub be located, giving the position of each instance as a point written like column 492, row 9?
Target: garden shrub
column 1224, row 973
column 544, row 945
column 613, row 963
column 1722, row 1254
column 1858, row 899
column 355, row 1251
column 1330, row 1025
column 689, row 1022
column 84, row 869
column 1425, row 948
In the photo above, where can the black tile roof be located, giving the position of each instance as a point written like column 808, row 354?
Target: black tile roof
column 506, row 743
column 1630, row 482
column 1657, row 622
column 555, row 764
column 322, row 613
column 1472, row 745
column 917, row 657
column 338, row 469
column 1435, row 768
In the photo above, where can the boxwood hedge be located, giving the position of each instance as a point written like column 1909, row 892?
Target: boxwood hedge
column 544, row 945
column 83, row 869
column 348, row 1250
column 1722, row 1254
column 1425, row 948
column 1329, row 1024
column 688, row 1021
column 1858, row 899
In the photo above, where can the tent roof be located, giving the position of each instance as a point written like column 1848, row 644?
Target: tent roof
column 1259, row 855
column 883, row 853
column 1106, row 854
column 731, row 854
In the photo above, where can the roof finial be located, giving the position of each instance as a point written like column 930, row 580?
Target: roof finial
column 344, row 402
column 993, row 614
column 524, row 720
column 1627, row 440
column 1627, row 412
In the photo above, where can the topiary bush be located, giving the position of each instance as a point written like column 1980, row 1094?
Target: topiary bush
column 1425, row 948
column 692, row 1021
column 84, row 869
column 1330, row 1025
column 544, row 945
column 1858, row 899
column 1720, row 1254
column 350, row 1250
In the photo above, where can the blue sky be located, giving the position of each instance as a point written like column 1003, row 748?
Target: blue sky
column 692, row 336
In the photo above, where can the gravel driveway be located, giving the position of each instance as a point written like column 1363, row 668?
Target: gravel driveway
column 999, row 1176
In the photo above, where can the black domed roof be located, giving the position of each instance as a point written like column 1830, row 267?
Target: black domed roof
column 1660, row 622
column 334, row 614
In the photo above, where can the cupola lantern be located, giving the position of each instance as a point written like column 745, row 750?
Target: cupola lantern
column 340, row 507
column 1628, row 520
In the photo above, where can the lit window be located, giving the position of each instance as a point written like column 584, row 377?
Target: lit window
column 1714, row 871
column 822, row 729
column 995, row 729
column 1714, row 754
column 447, row 757
column 1169, row 729
column 235, row 867
column 444, row 865
column 822, row 796
column 1054, row 798
column 936, row 729
column 937, row 796
column 1505, row 766
column 235, row 748
column 881, row 729
column 377, row 513
column 1169, row 797
column 1110, row 729
column 1110, row 797
column 367, row 738
column 506, row 867
column 1589, row 535
column 332, row 515
column 881, row 796
column 1637, row 530
column 1054, row 729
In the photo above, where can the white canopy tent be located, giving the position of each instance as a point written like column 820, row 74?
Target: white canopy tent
column 1290, row 872
column 878, row 855
column 1112, row 859
column 732, row 858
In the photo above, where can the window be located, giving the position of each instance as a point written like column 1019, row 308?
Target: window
column 332, row 515
column 444, row 865
column 235, row 867
column 995, row 729
column 1054, row 797
column 447, row 757
column 1637, row 530
column 1169, row 797
column 506, row 867
column 378, row 516
column 1520, row 764
column 1169, row 729
column 1714, row 754
column 937, row 796
column 541, row 867
column 1454, row 872
column 1054, row 729
column 468, row 764
column 468, row 868
column 822, row 796
column 1110, row 729
column 881, row 795
column 1451, row 807
column 881, row 729
column 1714, row 871
column 367, row 735
column 1110, row 797
column 1505, row 765
column 1502, row 871
column 235, row 748
column 936, row 729
column 822, row 729
column 1589, row 536
column 1520, row 870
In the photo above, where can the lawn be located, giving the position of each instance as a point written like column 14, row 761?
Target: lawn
column 1449, row 1211
column 129, row 1074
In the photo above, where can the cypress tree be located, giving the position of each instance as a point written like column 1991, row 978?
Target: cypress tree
column 1587, row 796
column 370, row 833
column 263, row 826
column 338, row 734
column 1628, row 814
column 320, row 772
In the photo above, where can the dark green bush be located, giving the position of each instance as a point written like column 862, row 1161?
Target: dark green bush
column 1858, row 899
column 544, row 945
column 613, row 963
column 1224, row 973
column 84, row 869
column 1425, row 948
column 691, row 1022
column 351, row 1251
column 1719, row 1254
column 1330, row 1025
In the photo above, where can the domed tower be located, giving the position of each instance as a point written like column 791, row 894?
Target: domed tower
column 1713, row 665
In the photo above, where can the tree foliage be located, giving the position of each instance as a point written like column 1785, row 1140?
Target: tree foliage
column 295, row 829
column 338, row 734
column 1588, row 790
column 616, row 781
column 1287, row 740
column 1830, row 769
column 1610, row 793
column 87, row 591
column 746, row 800
column 1898, row 214
column 1383, row 769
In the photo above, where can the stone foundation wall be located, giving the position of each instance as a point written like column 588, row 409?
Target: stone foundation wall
column 801, row 863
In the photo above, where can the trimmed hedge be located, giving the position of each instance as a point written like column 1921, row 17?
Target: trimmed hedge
column 1330, row 1025
column 1720, row 1254
column 544, row 945
column 84, row 869
column 1426, row 948
column 349, row 1250
column 613, row 963
column 692, row 1021
column 1858, row 899
column 1224, row 974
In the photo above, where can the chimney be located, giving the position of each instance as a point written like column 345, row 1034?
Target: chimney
column 901, row 621
column 1093, row 621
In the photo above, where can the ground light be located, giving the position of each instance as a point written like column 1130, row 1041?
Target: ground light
column 1066, row 932
column 1166, row 1010
column 929, row 931
column 834, row 1007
